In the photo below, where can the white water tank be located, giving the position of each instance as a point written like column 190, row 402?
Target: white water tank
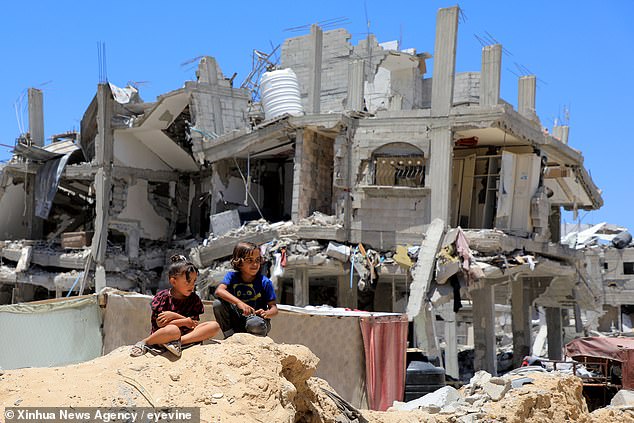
column 279, row 93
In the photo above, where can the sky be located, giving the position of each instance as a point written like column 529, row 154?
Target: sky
column 582, row 53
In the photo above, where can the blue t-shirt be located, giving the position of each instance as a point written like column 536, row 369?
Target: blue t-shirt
column 256, row 294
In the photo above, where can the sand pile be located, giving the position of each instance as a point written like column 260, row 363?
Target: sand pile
column 249, row 379
column 243, row 379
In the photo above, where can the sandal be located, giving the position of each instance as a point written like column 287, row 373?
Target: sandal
column 174, row 347
column 138, row 349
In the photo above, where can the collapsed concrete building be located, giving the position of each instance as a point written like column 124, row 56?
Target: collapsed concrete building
column 440, row 189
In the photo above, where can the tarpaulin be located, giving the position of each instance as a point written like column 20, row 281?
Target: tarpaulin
column 617, row 349
column 385, row 345
column 46, row 183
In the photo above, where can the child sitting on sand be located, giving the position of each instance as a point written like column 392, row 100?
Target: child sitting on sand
column 176, row 312
column 246, row 298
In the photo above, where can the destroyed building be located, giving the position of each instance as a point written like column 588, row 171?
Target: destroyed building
column 434, row 190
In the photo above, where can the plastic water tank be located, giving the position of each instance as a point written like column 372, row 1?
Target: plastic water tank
column 279, row 93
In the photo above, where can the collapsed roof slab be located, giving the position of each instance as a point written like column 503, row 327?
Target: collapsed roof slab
column 149, row 131
column 269, row 135
column 491, row 241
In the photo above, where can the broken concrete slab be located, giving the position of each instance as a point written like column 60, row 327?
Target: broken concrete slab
column 496, row 387
column 439, row 398
column 424, row 268
column 221, row 223
column 338, row 251
column 623, row 399
column 25, row 259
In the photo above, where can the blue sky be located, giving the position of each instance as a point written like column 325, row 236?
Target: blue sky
column 581, row 51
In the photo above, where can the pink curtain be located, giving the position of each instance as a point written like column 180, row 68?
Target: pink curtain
column 385, row 345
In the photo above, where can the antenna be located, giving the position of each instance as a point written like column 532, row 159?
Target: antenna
column 326, row 24
column 260, row 62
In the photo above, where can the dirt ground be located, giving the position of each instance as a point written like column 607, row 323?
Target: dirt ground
column 248, row 379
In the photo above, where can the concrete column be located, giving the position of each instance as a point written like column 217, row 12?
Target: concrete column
column 484, row 330
column 555, row 336
column 104, row 156
column 208, row 74
column 444, row 61
column 300, row 287
column 36, row 116
column 526, row 96
column 451, row 343
column 346, row 296
column 314, row 89
column 297, row 176
column 521, row 302
column 355, row 85
column 440, row 172
column 490, row 75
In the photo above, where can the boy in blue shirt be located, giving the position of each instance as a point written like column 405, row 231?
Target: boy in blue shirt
column 246, row 298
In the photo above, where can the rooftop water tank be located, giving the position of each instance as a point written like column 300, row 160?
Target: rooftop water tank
column 279, row 93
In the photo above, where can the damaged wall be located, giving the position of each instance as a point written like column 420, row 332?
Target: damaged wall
column 139, row 209
column 384, row 216
column 13, row 223
column 337, row 52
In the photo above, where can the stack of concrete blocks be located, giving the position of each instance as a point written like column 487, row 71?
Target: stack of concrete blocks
column 337, row 52
column 315, row 178
column 466, row 90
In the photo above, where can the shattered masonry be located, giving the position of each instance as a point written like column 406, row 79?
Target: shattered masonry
column 384, row 166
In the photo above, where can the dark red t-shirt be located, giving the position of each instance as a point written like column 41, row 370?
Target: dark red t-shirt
column 190, row 306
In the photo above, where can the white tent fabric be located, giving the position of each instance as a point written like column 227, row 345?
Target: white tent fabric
column 50, row 334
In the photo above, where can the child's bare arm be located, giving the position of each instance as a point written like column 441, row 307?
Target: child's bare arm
column 167, row 317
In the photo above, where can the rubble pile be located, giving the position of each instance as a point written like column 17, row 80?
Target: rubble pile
column 516, row 397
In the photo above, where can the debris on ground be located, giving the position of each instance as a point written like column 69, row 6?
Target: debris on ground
column 250, row 379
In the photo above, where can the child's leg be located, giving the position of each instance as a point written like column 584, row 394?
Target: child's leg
column 164, row 335
column 228, row 317
column 203, row 331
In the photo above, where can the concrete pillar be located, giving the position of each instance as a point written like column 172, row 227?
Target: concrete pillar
column 451, row 343
column 440, row 172
column 314, row 88
column 490, row 75
column 300, row 287
column 104, row 157
column 444, row 61
column 297, row 177
column 484, row 330
column 208, row 74
column 526, row 96
column 521, row 302
column 346, row 296
column 555, row 335
column 36, row 116
column 355, row 85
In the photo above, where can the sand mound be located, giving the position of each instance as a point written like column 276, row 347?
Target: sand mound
column 243, row 379
column 249, row 379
